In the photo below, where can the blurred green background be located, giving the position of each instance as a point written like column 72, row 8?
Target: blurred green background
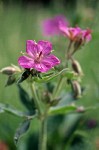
column 21, row 20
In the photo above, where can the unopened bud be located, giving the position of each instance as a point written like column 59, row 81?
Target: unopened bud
column 76, row 89
column 78, row 43
column 24, row 76
column 54, row 102
column 46, row 97
column 8, row 70
column 80, row 109
column 11, row 80
column 76, row 67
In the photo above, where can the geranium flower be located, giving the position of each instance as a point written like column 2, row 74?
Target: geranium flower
column 51, row 25
column 76, row 34
column 38, row 56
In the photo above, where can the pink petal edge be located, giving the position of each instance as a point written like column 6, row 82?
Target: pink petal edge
column 31, row 47
column 25, row 62
column 44, row 46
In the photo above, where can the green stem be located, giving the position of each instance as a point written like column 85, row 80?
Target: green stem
column 36, row 100
column 67, row 54
column 43, row 135
column 58, row 87
column 68, row 49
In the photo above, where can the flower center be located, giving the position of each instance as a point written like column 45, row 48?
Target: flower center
column 38, row 57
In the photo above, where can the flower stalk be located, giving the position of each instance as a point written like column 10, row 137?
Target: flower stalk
column 58, row 87
column 43, row 135
column 36, row 100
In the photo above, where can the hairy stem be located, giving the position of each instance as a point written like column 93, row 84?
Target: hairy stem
column 58, row 87
column 68, row 49
column 67, row 54
column 36, row 100
column 43, row 135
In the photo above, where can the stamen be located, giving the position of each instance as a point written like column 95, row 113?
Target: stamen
column 22, row 53
column 40, row 54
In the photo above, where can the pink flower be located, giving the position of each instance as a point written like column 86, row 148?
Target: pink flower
column 38, row 56
column 76, row 34
column 71, row 33
column 51, row 26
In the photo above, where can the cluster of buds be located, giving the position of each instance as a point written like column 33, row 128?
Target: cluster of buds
column 11, row 72
column 77, row 92
column 77, row 36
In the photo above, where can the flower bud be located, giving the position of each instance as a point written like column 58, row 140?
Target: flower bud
column 24, row 76
column 76, row 67
column 8, row 70
column 76, row 89
column 78, row 43
column 46, row 97
column 80, row 109
column 54, row 102
column 11, row 79
column 92, row 123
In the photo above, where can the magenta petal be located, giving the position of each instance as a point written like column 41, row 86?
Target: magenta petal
column 51, row 26
column 26, row 62
column 61, row 19
column 64, row 30
column 53, row 60
column 75, row 31
column 31, row 47
column 87, row 35
column 43, row 67
column 48, row 27
column 45, row 47
column 88, row 38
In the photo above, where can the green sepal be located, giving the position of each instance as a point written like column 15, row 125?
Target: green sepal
column 11, row 80
column 65, row 72
column 24, row 76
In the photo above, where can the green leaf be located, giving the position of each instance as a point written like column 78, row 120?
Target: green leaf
column 9, row 109
column 62, row 109
column 23, row 128
column 54, row 75
column 25, row 100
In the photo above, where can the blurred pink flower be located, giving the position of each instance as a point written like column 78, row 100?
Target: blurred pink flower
column 3, row 146
column 51, row 25
column 76, row 34
column 38, row 56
